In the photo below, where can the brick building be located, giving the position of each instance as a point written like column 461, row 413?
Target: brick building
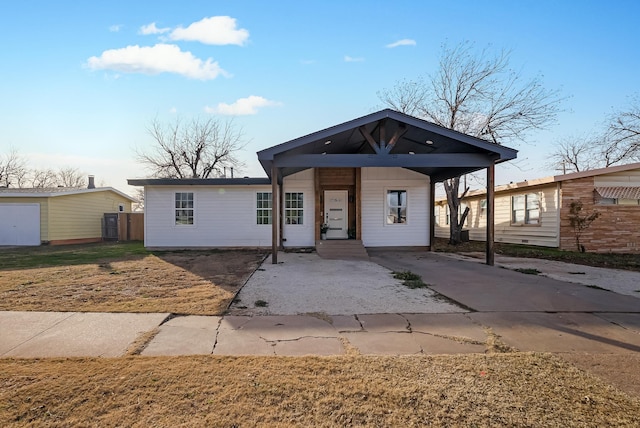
column 536, row 212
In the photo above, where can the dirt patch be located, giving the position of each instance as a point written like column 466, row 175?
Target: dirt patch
column 189, row 282
column 473, row 390
column 622, row 371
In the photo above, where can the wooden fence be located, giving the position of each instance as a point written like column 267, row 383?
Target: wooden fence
column 130, row 226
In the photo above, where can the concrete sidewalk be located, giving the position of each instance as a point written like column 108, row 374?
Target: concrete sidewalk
column 502, row 308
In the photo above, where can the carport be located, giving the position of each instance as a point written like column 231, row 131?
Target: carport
column 386, row 138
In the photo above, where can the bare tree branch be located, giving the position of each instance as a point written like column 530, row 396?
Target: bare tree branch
column 478, row 94
column 13, row 169
column 198, row 149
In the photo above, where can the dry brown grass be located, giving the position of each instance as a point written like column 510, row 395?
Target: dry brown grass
column 473, row 390
column 189, row 282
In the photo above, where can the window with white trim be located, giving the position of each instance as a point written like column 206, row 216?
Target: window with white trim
column 483, row 207
column 436, row 215
column 525, row 209
column 184, row 208
column 293, row 207
column 396, row 208
column 263, row 208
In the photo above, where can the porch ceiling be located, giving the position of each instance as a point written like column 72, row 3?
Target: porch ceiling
column 387, row 139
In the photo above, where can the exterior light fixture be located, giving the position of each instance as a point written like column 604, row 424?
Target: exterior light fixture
column 327, row 142
column 429, row 142
column 412, row 153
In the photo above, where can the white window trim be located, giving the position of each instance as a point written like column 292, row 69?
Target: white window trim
column 173, row 201
column 255, row 209
column 386, row 207
column 303, row 209
column 524, row 222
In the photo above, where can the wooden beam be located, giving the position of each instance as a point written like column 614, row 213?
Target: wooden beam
column 432, row 212
column 490, row 214
column 274, row 214
column 375, row 146
column 439, row 160
column 281, row 214
column 395, row 137
column 383, row 134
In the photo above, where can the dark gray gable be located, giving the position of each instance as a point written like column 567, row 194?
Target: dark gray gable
column 387, row 138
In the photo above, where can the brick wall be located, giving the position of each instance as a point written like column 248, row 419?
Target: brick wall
column 616, row 230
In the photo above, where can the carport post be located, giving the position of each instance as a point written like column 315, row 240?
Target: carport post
column 490, row 213
column 274, row 213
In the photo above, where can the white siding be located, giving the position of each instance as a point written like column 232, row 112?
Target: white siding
column 223, row 217
column 375, row 231
column 301, row 235
column 545, row 234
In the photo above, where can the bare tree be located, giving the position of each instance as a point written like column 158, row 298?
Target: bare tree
column 622, row 136
column 478, row 94
column 71, row 177
column 13, row 169
column 573, row 154
column 197, row 149
column 43, row 178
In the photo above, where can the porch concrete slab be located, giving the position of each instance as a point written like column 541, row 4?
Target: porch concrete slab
column 629, row 321
column 492, row 288
column 238, row 342
column 382, row 323
column 20, row 327
column 188, row 335
column 310, row 346
column 305, row 283
column 459, row 326
column 288, row 327
column 343, row 323
column 434, row 345
column 383, row 343
column 560, row 332
column 89, row 335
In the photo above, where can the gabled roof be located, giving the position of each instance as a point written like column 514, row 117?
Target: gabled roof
column 404, row 141
column 52, row 192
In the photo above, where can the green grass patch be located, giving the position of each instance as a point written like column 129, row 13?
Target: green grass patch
column 64, row 255
column 528, row 271
column 410, row 279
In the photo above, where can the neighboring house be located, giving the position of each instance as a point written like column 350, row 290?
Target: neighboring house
column 370, row 179
column 57, row 215
column 536, row 212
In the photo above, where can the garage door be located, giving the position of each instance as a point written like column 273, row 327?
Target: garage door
column 19, row 224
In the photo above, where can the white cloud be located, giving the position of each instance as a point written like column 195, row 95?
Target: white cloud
column 161, row 58
column 216, row 30
column 115, row 28
column 403, row 42
column 348, row 58
column 242, row 107
column 152, row 29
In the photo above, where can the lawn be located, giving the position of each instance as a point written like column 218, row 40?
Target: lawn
column 494, row 389
column 514, row 390
column 122, row 277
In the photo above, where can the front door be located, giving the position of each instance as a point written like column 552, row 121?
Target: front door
column 335, row 213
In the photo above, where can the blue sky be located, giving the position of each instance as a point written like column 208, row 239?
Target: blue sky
column 81, row 81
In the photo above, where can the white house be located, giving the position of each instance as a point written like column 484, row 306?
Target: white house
column 369, row 179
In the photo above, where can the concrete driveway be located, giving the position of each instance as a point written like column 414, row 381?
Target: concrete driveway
column 342, row 307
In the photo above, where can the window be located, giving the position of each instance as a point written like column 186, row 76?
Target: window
column 263, row 207
column 293, row 208
column 525, row 209
column 483, row 207
column 436, row 214
column 184, row 208
column 448, row 215
column 120, row 208
column 396, row 206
